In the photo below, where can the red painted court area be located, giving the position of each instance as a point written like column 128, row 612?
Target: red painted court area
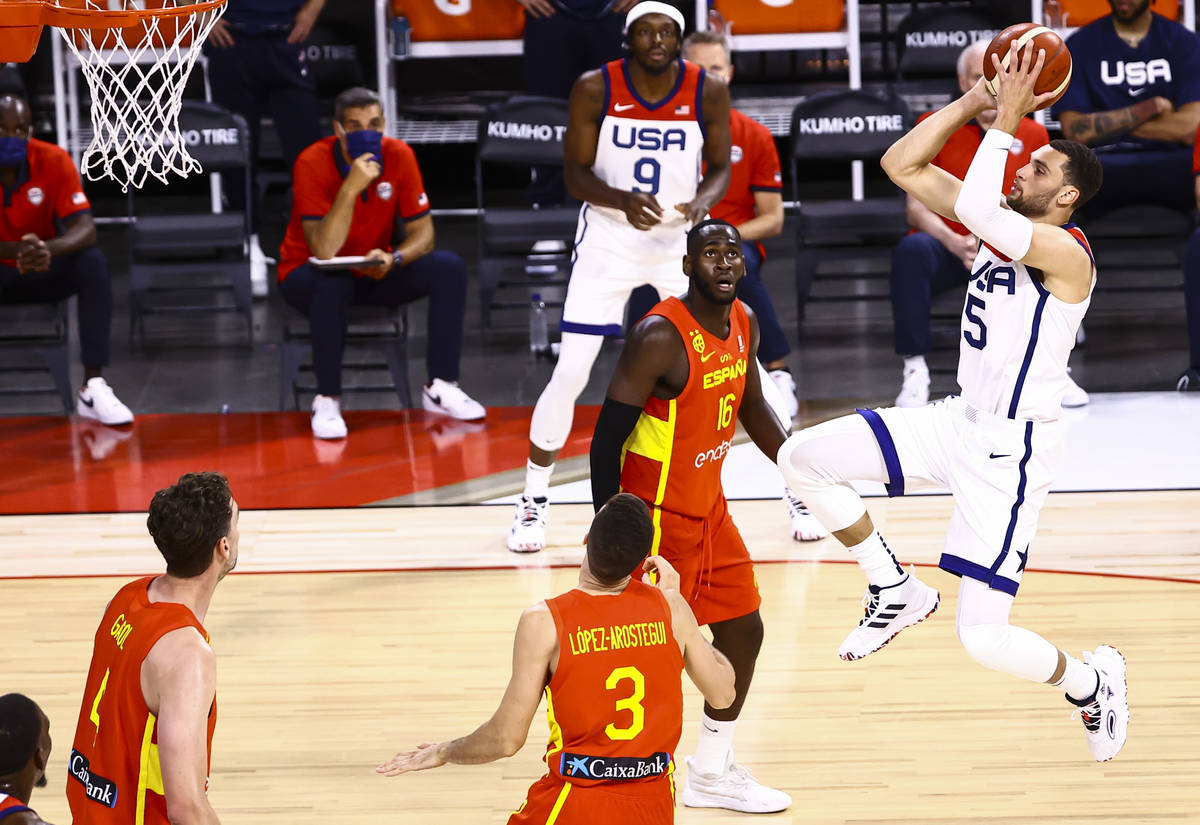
column 61, row 465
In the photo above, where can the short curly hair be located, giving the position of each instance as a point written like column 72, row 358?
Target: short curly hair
column 188, row 519
column 20, row 729
column 620, row 538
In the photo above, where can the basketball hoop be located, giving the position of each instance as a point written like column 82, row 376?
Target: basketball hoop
column 137, row 56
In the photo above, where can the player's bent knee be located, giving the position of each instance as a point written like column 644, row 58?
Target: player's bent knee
column 986, row 643
column 797, row 460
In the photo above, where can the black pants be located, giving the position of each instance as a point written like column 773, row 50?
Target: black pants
column 921, row 268
column 1160, row 177
column 85, row 273
column 262, row 73
column 1191, row 297
column 325, row 298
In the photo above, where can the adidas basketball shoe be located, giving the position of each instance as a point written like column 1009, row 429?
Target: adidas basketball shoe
column 888, row 611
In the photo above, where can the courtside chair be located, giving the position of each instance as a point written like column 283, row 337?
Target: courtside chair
column 189, row 263
column 36, row 330
column 840, row 127
column 521, row 249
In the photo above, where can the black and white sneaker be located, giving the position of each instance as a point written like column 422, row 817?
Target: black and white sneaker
column 888, row 611
column 1189, row 380
column 1106, row 714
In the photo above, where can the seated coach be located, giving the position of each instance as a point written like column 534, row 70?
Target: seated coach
column 48, row 248
column 359, row 193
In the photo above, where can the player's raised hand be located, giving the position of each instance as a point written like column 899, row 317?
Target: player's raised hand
column 641, row 210
column 668, row 577
column 692, row 211
column 425, row 756
column 363, row 170
column 1014, row 84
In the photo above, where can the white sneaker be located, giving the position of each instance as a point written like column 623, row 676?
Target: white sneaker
column 1075, row 396
column 787, row 388
column 914, row 392
column 258, row 269
column 528, row 531
column 1106, row 716
column 805, row 526
column 888, row 611
column 447, row 398
column 327, row 421
column 736, row 790
column 98, row 402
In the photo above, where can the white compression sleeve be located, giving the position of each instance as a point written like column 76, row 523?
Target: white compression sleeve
column 978, row 205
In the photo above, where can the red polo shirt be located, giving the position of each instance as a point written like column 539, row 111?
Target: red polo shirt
column 1196, row 155
column 960, row 147
column 47, row 191
column 753, row 167
column 397, row 192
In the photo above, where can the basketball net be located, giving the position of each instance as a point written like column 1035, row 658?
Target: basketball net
column 136, row 75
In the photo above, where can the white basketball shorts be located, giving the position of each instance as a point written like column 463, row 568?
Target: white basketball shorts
column 999, row 470
column 612, row 259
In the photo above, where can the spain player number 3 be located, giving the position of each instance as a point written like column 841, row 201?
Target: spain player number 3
column 631, row 703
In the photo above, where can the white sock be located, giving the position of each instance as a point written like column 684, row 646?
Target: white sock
column 713, row 746
column 913, row 363
column 537, row 479
column 877, row 561
column 1080, row 679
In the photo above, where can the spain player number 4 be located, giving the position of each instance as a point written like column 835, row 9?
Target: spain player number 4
column 631, row 703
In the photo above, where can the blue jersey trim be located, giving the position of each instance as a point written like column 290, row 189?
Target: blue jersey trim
column 670, row 95
column 589, row 329
column 582, row 235
column 20, row 809
column 1043, row 294
column 1079, row 241
column 964, row 567
column 1012, row 519
column 891, row 458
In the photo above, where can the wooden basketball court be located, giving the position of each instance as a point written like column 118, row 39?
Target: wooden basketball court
column 322, row 675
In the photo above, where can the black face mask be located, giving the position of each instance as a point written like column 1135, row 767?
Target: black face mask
column 13, row 151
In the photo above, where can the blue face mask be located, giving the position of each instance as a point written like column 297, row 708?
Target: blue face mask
column 13, row 151
column 363, row 141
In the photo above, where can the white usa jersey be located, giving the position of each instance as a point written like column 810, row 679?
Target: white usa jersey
column 652, row 148
column 1016, row 337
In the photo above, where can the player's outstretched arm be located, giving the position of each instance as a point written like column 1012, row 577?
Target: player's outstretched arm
column 179, row 683
column 715, row 152
column 586, row 110
column 706, row 666
column 1066, row 266
column 909, row 160
column 762, row 424
column 534, row 651
column 652, row 353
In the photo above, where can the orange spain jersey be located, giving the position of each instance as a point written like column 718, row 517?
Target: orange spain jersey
column 673, row 457
column 114, row 777
column 615, row 702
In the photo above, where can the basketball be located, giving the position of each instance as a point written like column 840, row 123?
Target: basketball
column 1056, row 73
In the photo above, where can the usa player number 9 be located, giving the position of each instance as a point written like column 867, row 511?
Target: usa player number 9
column 647, row 171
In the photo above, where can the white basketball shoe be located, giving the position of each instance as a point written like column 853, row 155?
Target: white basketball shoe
column 528, row 531
column 1106, row 714
column 888, row 611
column 805, row 526
column 914, row 391
column 735, row 789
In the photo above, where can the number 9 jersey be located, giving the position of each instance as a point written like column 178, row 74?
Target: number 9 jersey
column 615, row 709
column 656, row 149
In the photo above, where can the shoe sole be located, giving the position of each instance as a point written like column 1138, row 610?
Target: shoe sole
column 526, row 548
column 850, row 657
column 1124, row 695
column 697, row 799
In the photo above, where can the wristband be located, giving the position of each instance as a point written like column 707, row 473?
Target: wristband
column 397, row 258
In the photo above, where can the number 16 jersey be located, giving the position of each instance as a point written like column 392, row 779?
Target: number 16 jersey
column 652, row 148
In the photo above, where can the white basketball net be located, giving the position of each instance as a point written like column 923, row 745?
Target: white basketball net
column 136, row 77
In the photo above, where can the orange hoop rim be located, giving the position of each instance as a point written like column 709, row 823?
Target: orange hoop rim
column 74, row 14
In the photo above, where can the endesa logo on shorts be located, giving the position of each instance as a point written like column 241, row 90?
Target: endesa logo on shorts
column 613, row 768
column 709, row 456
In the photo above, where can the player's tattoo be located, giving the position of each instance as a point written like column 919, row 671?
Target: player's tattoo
column 1094, row 128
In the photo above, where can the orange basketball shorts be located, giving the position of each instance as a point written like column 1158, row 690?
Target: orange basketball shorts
column 716, row 575
column 552, row 801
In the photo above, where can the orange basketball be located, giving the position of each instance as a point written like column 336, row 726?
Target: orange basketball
column 1056, row 73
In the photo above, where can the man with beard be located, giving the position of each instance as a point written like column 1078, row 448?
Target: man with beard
column 24, row 752
column 143, row 742
column 638, row 132
column 995, row 447
column 667, row 423
column 1135, row 95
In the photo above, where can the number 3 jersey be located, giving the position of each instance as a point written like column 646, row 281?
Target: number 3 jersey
column 113, row 771
column 652, row 148
column 1016, row 337
column 615, row 701
column 673, row 457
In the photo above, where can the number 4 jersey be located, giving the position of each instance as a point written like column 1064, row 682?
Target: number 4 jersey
column 615, row 701
column 653, row 148
column 113, row 771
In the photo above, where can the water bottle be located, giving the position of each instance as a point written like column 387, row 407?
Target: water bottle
column 539, row 338
column 401, row 38
column 1052, row 14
